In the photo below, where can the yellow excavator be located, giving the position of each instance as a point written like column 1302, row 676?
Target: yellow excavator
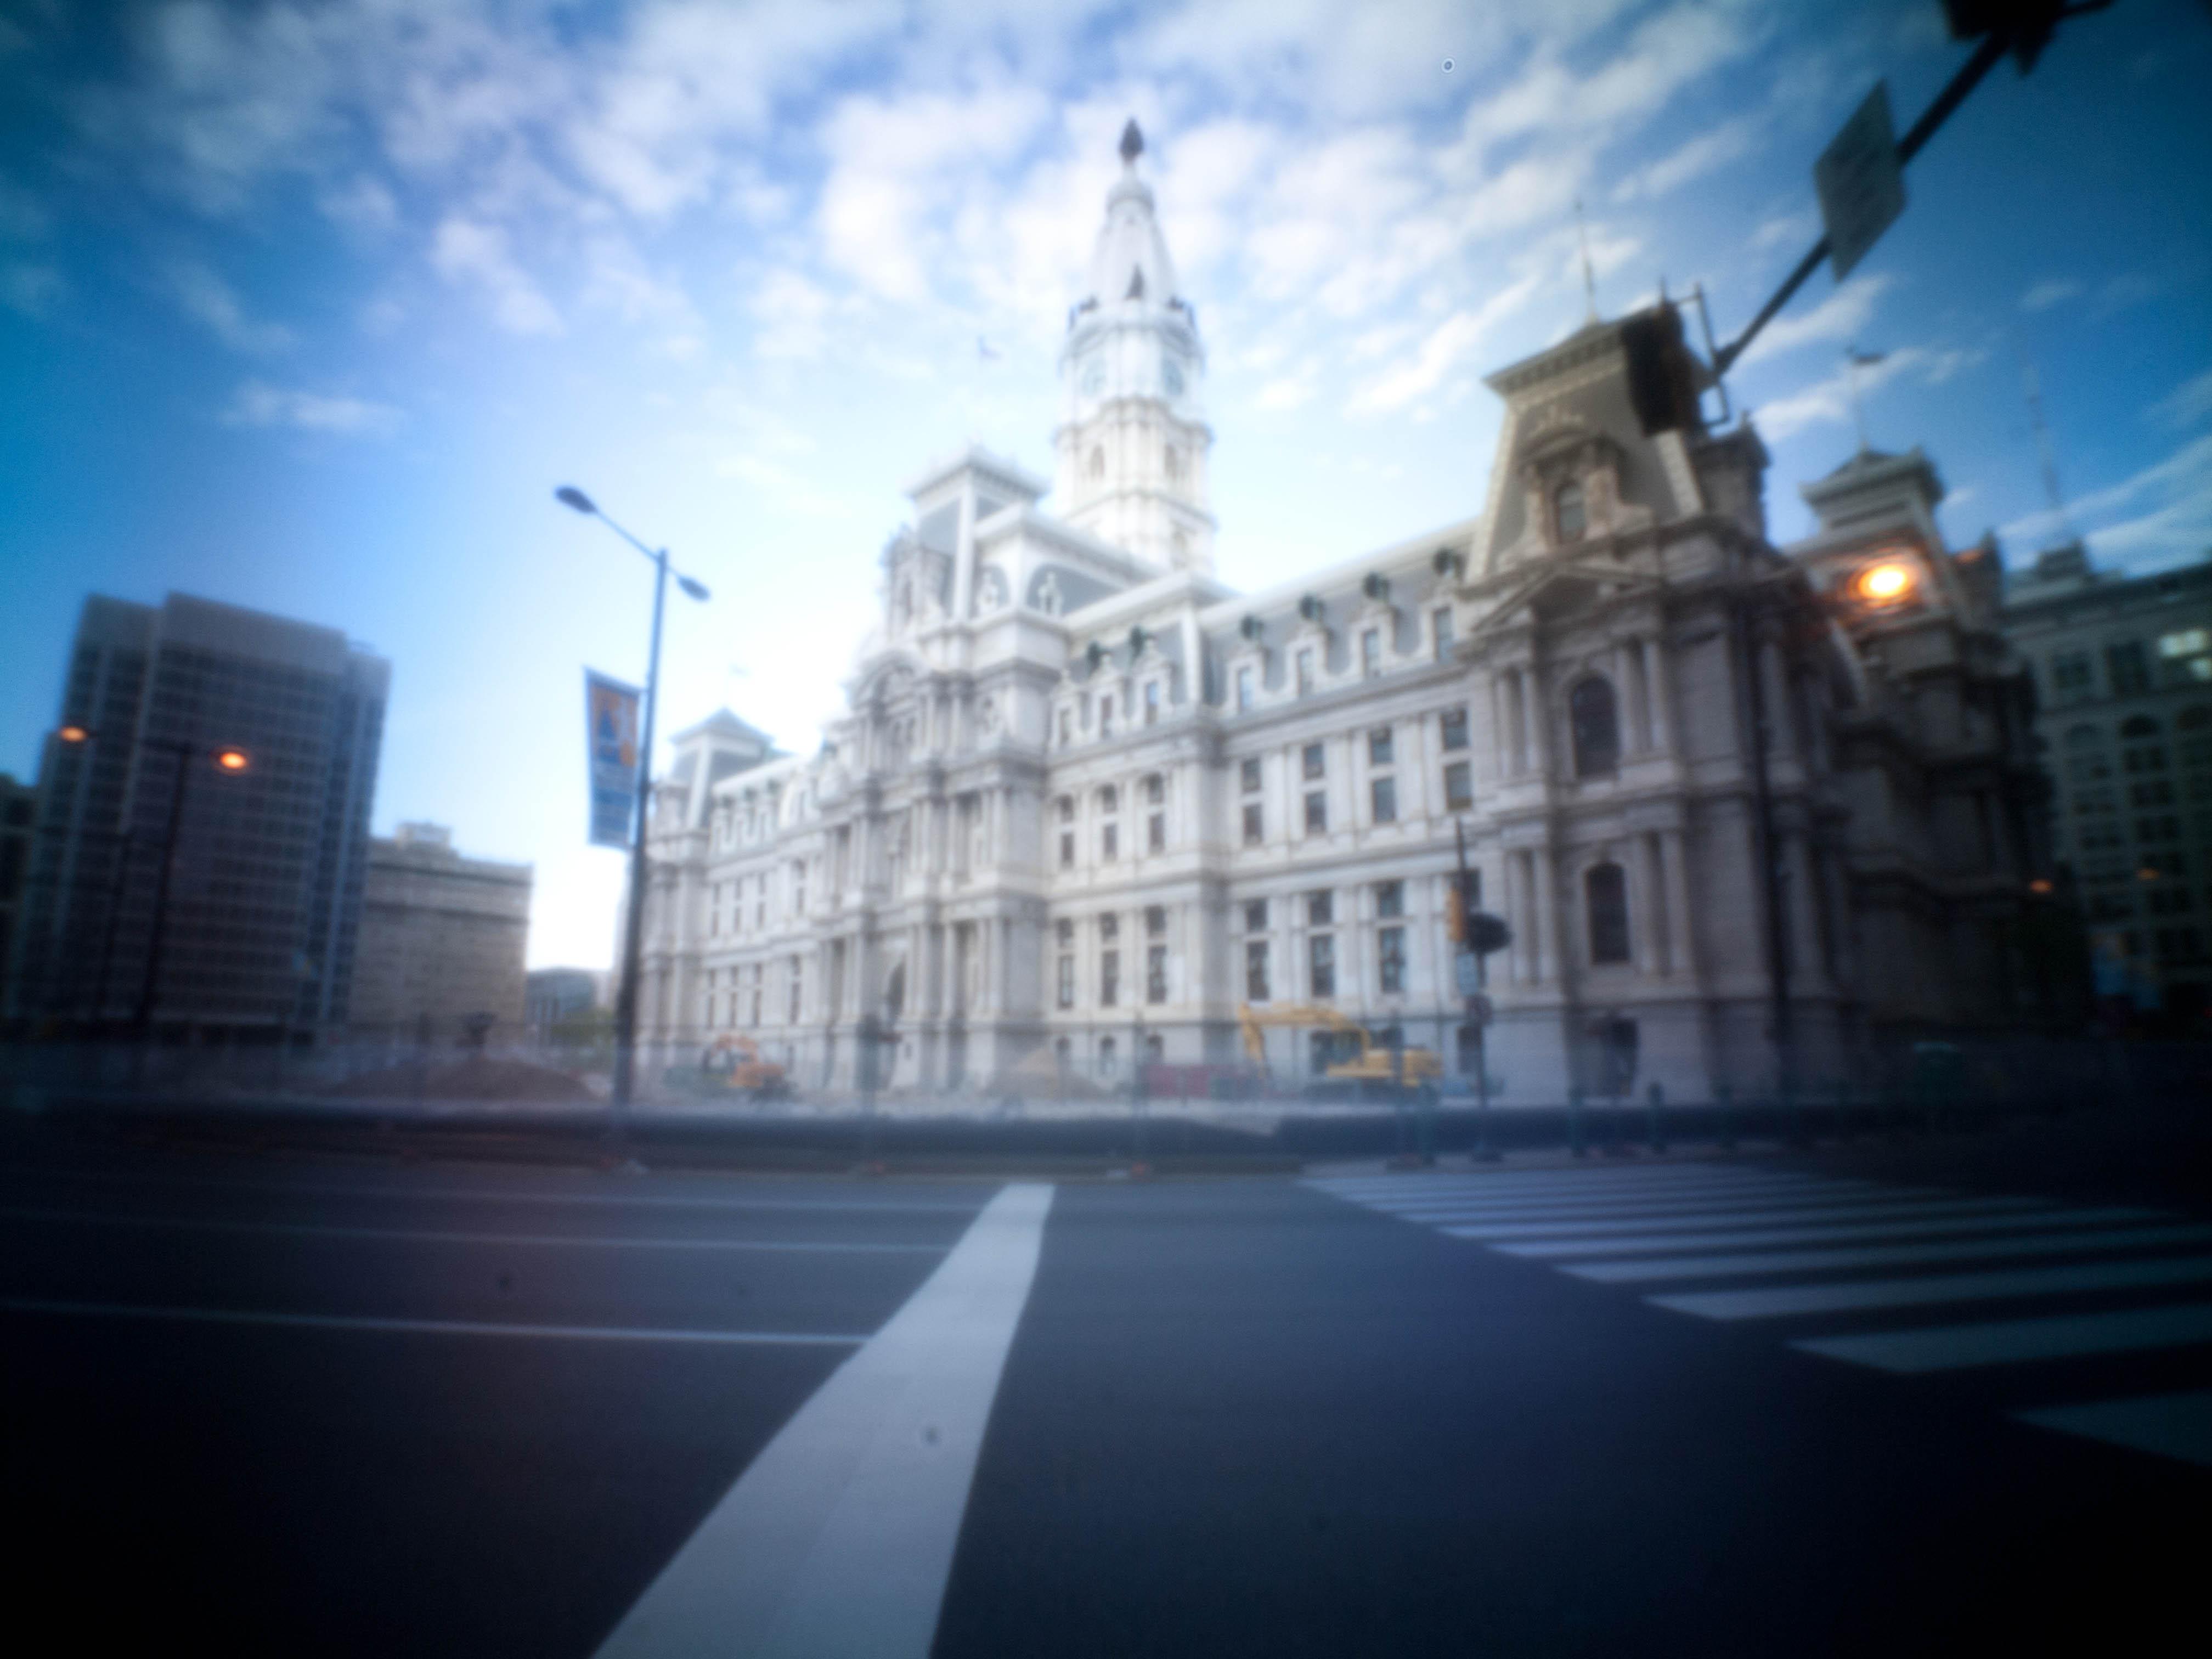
column 1369, row 1061
column 735, row 1063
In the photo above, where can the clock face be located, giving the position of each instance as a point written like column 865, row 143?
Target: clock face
column 1094, row 377
column 1171, row 375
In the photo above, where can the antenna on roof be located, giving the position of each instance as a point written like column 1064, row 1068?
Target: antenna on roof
column 2043, row 445
column 1589, row 281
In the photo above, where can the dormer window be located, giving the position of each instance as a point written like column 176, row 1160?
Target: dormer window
column 1568, row 514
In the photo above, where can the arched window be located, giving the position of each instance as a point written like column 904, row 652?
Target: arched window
column 1595, row 726
column 1605, row 891
column 1097, row 463
column 1567, row 511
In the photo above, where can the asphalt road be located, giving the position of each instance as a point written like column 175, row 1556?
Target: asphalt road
column 1693, row 1408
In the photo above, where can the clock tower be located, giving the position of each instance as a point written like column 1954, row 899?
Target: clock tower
column 1133, row 440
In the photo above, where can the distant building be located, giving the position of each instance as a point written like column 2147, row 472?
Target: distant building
column 264, row 864
column 2123, row 666
column 442, row 938
column 556, row 994
column 19, row 805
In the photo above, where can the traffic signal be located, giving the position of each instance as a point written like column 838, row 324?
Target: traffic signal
column 2025, row 26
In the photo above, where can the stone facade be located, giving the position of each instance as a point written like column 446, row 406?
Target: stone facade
column 1087, row 801
column 2125, row 669
column 442, row 938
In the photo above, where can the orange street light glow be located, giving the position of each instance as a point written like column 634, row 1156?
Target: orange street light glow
column 232, row 760
column 1885, row 582
column 73, row 734
column 2039, row 886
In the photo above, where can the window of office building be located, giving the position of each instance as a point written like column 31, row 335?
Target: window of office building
column 1390, row 899
column 1382, row 799
column 1245, row 687
column 1370, row 652
column 1109, row 978
column 1313, row 760
column 2072, row 676
column 1108, row 1060
column 1451, row 728
column 1321, row 908
column 1248, row 776
column 1441, row 632
column 1316, row 814
column 1256, row 970
column 1155, row 972
column 2127, row 668
column 2185, row 654
column 1459, row 786
column 1320, row 953
column 1255, row 916
column 1594, row 725
column 1390, row 959
column 1255, row 829
column 1605, row 888
column 1379, row 746
column 1306, row 669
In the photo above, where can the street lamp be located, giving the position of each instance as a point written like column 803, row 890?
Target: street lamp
column 634, row 924
column 229, row 760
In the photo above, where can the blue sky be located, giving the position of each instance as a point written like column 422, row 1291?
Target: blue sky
column 308, row 307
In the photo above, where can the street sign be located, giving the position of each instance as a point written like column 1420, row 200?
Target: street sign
column 1860, row 181
column 1466, row 967
column 1486, row 932
column 1480, row 1012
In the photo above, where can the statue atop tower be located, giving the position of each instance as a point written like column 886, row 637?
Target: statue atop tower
column 1132, row 441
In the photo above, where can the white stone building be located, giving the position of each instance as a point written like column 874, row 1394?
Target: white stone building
column 1085, row 801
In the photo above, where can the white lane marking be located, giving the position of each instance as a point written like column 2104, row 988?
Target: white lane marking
column 1775, row 1302
column 1709, row 1217
column 2178, row 1425
column 1650, row 1268
column 2018, row 1220
column 194, row 1224
column 427, row 1327
column 332, row 1189
column 2005, row 1342
column 837, row 1539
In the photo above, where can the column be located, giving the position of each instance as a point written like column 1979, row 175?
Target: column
column 1681, row 950
column 1806, row 961
column 1650, row 908
column 1501, row 732
column 1636, row 676
column 1535, row 727
column 1655, row 706
column 1545, row 882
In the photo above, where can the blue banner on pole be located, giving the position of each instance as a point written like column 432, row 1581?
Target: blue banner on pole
column 610, row 732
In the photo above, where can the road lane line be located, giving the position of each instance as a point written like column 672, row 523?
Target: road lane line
column 1709, row 1218
column 194, row 1224
column 427, row 1327
column 1650, row 1268
column 2016, row 1220
column 838, row 1538
column 332, row 1189
column 2178, row 1425
column 1784, row 1302
column 2006, row 1342
column 1665, row 1204
column 1579, row 1180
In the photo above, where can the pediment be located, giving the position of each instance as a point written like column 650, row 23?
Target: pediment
column 1559, row 589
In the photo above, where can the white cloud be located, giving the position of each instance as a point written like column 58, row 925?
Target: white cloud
column 1839, row 317
column 471, row 254
column 1784, row 228
column 257, row 404
column 31, row 290
column 1829, row 400
column 363, row 204
column 1444, row 349
column 792, row 312
column 2180, row 522
column 2188, row 402
column 1286, row 392
column 2051, row 291
column 210, row 301
column 1702, row 155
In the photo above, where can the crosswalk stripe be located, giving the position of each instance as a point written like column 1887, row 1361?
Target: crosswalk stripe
column 1775, row 1302
column 1649, row 1269
column 1709, row 1218
column 1645, row 1244
column 1573, row 1181
column 2176, row 1425
column 2013, row 1341
column 1506, row 1209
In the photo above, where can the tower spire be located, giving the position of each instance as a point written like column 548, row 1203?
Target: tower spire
column 1590, row 278
column 1132, row 143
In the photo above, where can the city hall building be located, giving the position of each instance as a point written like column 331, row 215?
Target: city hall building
column 1751, row 813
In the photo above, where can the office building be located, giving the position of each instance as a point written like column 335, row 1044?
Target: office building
column 443, row 940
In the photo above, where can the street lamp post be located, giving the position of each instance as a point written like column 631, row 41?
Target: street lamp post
column 633, row 922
